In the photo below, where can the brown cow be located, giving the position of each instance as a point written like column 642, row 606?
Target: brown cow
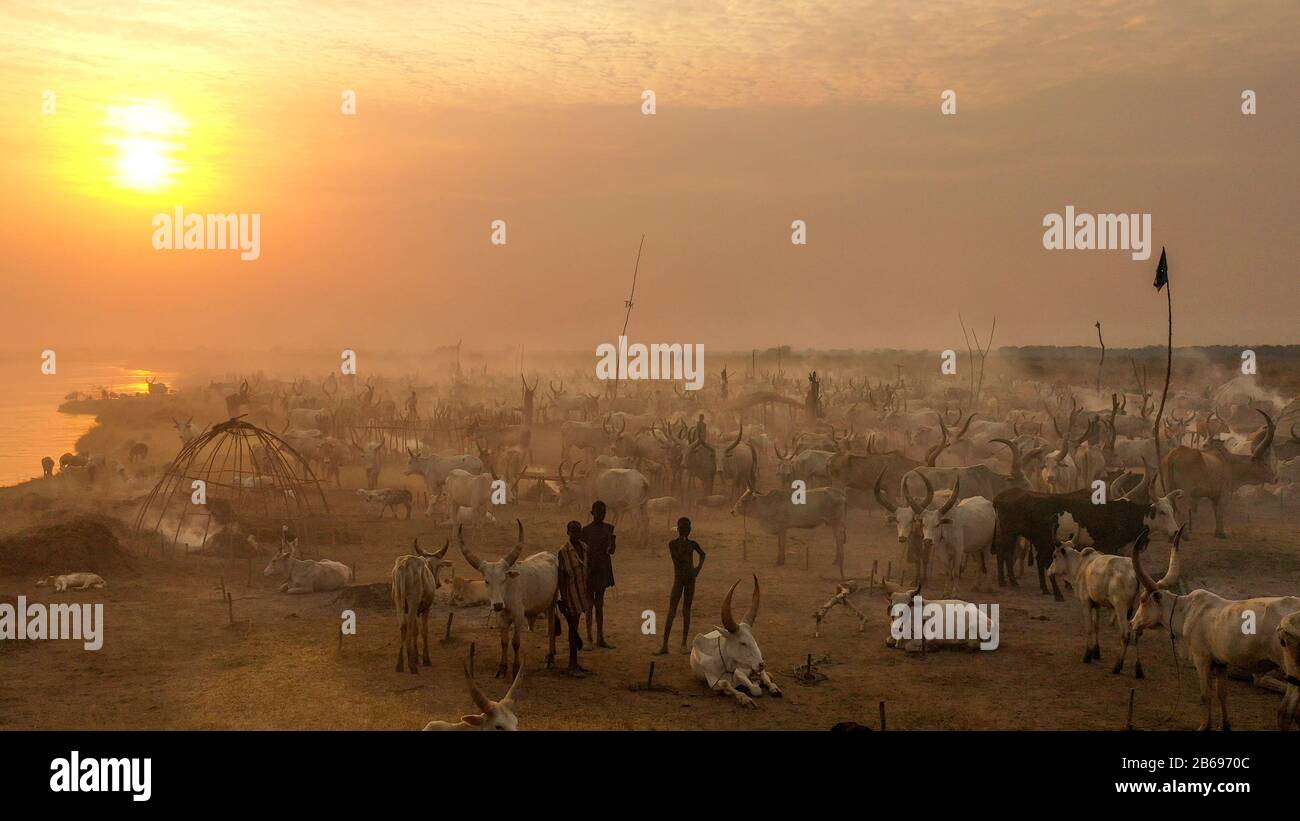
column 1214, row 473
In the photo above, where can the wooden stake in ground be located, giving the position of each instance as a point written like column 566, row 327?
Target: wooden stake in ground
column 650, row 677
column 882, row 716
column 447, row 636
column 1102, row 363
column 230, row 607
column 1132, row 694
column 471, row 659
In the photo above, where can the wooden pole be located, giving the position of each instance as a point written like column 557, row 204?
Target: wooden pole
column 875, row 563
column 1102, row 363
column 650, row 677
column 1132, row 694
column 1169, row 367
column 471, row 659
column 447, row 635
column 882, row 716
column 230, row 608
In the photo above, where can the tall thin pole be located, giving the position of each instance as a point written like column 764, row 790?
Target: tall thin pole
column 1102, row 363
column 628, row 303
column 1164, row 394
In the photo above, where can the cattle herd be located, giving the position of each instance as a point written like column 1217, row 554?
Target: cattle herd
column 985, row 488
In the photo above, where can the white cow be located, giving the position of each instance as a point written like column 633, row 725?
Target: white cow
column 954, row 532
column 1101, row 581
column 1209, row 627
column 496, row 715
column 727, row 656
column 415, row 580
column 306, row 575
column 520, row 591
column 71, row 581
column 974, row 623
column 465, row 490
column 434, row 468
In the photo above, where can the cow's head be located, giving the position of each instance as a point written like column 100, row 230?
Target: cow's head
column 280, row 563
column 1162, row 515
column 1063, row 559
column 497, row 574
column 435, row 561
column 738, row 646
column 934, row 523
column 496, row 715
column 1059, row 471
column 417, row 465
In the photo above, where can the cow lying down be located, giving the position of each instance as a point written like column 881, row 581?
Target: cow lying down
column 950, row 623
column 71, row 581
column 727, row 656
column 496, row 715
column 306, row 575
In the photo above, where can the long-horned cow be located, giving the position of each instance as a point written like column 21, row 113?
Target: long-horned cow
column 520, row 591
column 727, row 656
column 777, row 511
column 415, row 579
column 1101, row 581
column 1210, row 630
column 496, row 715
column 1214, row 473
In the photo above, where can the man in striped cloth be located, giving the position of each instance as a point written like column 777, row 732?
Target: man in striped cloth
column 574, row 593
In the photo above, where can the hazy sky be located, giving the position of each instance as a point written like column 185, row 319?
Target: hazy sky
column 375, row 227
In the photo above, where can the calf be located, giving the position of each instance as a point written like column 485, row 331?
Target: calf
column 727, row 656
column 520, row 591
column 389, row 498
column 415, row 579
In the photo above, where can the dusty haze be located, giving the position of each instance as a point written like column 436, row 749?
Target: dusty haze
column 375, row 227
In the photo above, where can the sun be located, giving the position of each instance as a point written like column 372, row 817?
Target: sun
column 148, row 138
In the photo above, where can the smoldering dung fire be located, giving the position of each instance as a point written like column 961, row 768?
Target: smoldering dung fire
column 827, row 483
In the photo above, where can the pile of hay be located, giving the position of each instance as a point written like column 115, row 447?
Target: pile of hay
column 82, row 543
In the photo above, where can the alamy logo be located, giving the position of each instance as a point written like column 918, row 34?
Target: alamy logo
column 78, row 622
column 77, row 774
column 1101, row 232
column 655, row 361
column 947, row 621
column 208, row 232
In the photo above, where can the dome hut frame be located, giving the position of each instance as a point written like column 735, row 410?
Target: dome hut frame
column 253, row 482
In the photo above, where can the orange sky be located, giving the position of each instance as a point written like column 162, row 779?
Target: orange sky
column 375, row 228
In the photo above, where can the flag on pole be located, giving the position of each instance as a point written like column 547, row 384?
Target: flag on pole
column 1162, row 271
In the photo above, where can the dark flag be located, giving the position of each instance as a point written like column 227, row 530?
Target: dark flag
column 1162, row 271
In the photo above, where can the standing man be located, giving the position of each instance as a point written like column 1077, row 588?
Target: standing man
column 575, row 597
column 683, row 550
column 701, row 430
column 599, row 538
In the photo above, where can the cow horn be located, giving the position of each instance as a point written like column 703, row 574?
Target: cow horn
column 1138, row 546
column 1261, row 450
column 417, row 549
column 513, row 556
column 907, row 494
column 882, row 496
column 752, row 615
column 739, row 434
column 729, row 621
column 1144, row 487
column 952, row 500
column 474, row 561
column 508, row 699
column 1174, row 574
column 480, row 700
column 443, row 552
column 1017, row 466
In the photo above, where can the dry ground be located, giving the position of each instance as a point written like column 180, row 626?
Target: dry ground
column 171, row 660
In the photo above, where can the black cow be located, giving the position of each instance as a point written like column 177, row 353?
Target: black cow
column 1111, row 526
